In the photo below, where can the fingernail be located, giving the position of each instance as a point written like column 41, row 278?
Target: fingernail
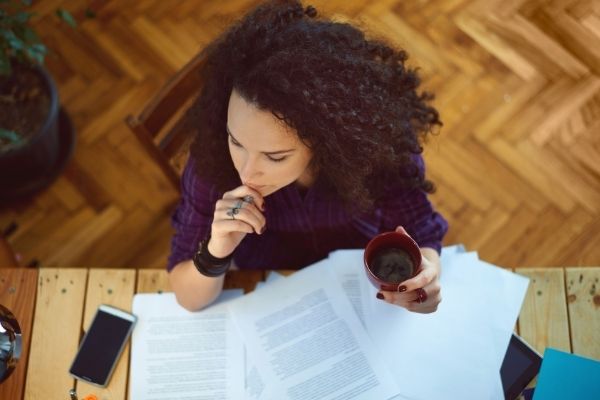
column 402, row 288
column 379, row 296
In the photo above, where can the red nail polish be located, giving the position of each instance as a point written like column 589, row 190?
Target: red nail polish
column 380, row 296
column 402, row 288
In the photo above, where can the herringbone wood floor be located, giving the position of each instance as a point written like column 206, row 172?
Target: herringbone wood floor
column 517, row 163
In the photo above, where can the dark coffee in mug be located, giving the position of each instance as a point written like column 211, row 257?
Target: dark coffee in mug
column 391, row 258
column 392, row 264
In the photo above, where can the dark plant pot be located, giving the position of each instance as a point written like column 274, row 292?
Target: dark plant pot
column 27, row 169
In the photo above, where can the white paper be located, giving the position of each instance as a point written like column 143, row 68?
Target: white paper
column 177, row 354
column 255, row 386
column 507, row 295
column 352, row 283
column 349, row 270
column 439, row 352
column 454, row 350
column 272, row 277
column 307, row 341
column 458, row 349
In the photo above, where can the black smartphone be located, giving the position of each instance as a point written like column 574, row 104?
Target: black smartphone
column 521, row 364
column 102, row 345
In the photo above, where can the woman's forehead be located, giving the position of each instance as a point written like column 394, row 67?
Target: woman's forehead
column 256, row 127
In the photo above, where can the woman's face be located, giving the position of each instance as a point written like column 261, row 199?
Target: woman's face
column 266, row 153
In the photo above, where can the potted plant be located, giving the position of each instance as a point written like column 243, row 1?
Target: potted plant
column 36, row 137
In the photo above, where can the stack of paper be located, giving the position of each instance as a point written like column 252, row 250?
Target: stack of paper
column 322, row 334
column 177, row 354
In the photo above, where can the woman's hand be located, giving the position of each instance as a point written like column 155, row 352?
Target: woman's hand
column 229, row 228
column 427, row 279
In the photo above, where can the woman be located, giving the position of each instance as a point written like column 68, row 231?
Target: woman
column 307, row 141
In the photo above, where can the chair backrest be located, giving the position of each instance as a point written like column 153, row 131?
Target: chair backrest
column 8, row 258
column 161, row 128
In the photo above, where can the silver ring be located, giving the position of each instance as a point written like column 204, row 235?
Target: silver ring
column 248, row 199
column 232, row 212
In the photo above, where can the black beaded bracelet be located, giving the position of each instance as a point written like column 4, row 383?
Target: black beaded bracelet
column 209, row 265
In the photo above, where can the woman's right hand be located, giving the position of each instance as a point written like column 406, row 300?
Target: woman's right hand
column 226, row 231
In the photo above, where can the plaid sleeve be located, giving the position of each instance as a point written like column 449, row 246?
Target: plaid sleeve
column 193, row 216
column 411, row 209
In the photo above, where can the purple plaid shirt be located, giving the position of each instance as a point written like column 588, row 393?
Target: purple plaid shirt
column 302, row 229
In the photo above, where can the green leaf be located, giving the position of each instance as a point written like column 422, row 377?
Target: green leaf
column 30, row 36
column 10, row 136
column 36, row 52
column 39, row 53
column 39, row 48
column 13, row 41
column 22, row 17
column 6, row 34
column 66, row 17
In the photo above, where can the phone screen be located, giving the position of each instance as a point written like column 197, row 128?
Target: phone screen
column 100, row 348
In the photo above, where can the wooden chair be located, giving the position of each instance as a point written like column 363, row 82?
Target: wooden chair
column 8, row 258
column 161, row 128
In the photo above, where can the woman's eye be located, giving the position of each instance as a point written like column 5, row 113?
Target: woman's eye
column 276, row 159
column 237, row 144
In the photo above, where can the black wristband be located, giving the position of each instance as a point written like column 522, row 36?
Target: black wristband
column 209, row 265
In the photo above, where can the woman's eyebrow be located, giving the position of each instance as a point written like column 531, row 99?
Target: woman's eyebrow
column 264, row 152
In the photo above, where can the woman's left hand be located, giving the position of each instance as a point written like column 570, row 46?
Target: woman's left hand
column 422, row 292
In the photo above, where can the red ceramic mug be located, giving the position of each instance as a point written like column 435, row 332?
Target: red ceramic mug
column 388, row 241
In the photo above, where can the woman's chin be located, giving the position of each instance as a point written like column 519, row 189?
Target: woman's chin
column 267, row 191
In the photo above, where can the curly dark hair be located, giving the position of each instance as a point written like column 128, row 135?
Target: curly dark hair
column 350, row 99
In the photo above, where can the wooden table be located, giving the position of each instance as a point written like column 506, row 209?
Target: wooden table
column 53, row 306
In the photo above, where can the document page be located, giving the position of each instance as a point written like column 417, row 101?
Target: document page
column 177, row 354
column 305, row 338
column 350, row 272
column 462, row 344
column 255, row 386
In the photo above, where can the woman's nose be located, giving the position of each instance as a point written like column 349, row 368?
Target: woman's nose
column 249, row 170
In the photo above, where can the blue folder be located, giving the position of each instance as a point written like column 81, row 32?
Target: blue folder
column 567, row 376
